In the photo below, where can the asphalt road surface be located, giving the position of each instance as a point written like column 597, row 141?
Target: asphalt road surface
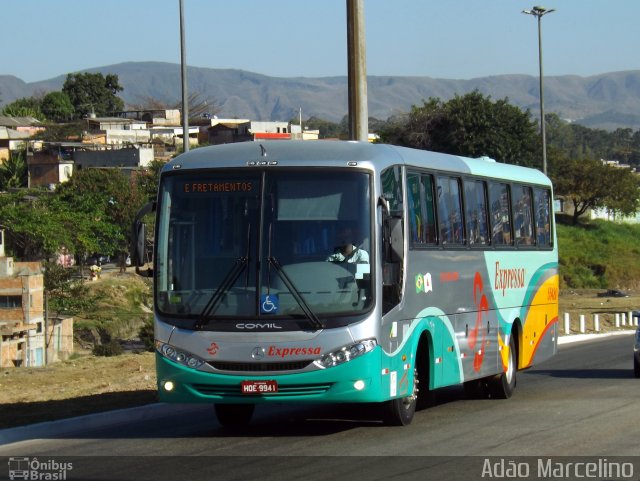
column 582, row 404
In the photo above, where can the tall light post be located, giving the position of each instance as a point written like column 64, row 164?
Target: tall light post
column 540, row 12
column 183, row 78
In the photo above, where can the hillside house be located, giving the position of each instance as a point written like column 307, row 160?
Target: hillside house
column 116, row 131
column 14, row 132
column 25, row 338
column 224, row 131
column 157, row 117
column 52, row 163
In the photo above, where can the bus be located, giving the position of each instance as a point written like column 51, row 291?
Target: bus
column 346, row 272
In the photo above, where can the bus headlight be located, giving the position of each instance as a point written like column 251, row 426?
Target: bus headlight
column 345, row 354
column 181, row 357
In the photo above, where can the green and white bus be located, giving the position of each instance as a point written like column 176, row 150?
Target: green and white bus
column 332, row 272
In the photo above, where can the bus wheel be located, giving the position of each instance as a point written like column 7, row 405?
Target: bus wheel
column 636, row 367
column 400, row 411
column 234, row 415
column 503, row 385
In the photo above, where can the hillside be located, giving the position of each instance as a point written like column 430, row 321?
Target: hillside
column 608, row 100
column 599, row 255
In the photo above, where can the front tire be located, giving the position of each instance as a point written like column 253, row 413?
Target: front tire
column 400, row 411
column 234, row 415
column 636, row 367
column 503, row 385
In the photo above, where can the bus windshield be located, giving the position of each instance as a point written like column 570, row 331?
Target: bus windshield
column 273, row 244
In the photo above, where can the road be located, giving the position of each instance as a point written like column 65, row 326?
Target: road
column 583, row 402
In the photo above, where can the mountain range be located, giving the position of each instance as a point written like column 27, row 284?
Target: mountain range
column 608, row 101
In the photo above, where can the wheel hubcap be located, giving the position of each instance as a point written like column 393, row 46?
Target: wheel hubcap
column 510, row 367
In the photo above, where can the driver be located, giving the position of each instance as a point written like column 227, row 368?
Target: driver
column 347, row 251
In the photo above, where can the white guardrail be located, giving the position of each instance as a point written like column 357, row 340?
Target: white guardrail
column 621, row 320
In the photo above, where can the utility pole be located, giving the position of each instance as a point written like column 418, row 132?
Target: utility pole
column 357, row 71
column 183, row 78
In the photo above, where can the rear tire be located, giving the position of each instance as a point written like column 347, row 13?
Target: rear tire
column 234, row 415
column 636, row 367
column 503, row 385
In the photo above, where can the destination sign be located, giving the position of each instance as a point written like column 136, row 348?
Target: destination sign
column 218, row 187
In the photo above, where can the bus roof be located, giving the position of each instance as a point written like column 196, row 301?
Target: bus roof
column 333, row 153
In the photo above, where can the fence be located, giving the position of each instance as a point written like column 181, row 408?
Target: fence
column 598, row 324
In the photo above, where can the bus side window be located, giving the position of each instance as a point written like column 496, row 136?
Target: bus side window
column 421, row 210
column 500, row 214
column 450, row 211
column 522, row 215
column 476, row 212
column 541, row 199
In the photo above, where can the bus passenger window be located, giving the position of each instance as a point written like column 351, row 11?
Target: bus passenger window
column 500, row 214
column 421, row 209
column 450, row 211
column 541, row 199
column 522, row 216
column 476, row 212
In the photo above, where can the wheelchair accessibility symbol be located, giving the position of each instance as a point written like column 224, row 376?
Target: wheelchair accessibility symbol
column 269, row 304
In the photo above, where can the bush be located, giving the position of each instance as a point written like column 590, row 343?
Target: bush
column 111, row 348
column 146, row 334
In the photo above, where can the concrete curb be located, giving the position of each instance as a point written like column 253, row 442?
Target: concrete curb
column 571, row 338
column 69, row 426
column 66, row 427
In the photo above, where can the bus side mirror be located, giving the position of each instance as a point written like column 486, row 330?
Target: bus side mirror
column 386, row 209
column 138, row 244
column 393, row 236
column 396, row 239
column 139, row 239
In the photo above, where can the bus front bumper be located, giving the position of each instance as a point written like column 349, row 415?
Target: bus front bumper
column 358, row 380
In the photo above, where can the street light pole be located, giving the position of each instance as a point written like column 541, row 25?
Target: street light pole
column 540, row 12
column 183, row 78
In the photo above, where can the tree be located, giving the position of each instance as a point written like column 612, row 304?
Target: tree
column 147, row 180
column 624, row 189
column 93, row 93
column 24, row 107
column 32, row 226
column 56, row 106
column 327, row 129
column 109, row 201
column 590, row 184
column 62, row 132
column 471, row 125
column 13, row 172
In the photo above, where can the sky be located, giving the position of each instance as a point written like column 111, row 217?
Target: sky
column 452, row 39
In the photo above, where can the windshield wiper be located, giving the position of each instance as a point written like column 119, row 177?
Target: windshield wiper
column 313, row 319
column 226, row 284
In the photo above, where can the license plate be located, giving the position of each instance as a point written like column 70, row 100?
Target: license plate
column 258, row 387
